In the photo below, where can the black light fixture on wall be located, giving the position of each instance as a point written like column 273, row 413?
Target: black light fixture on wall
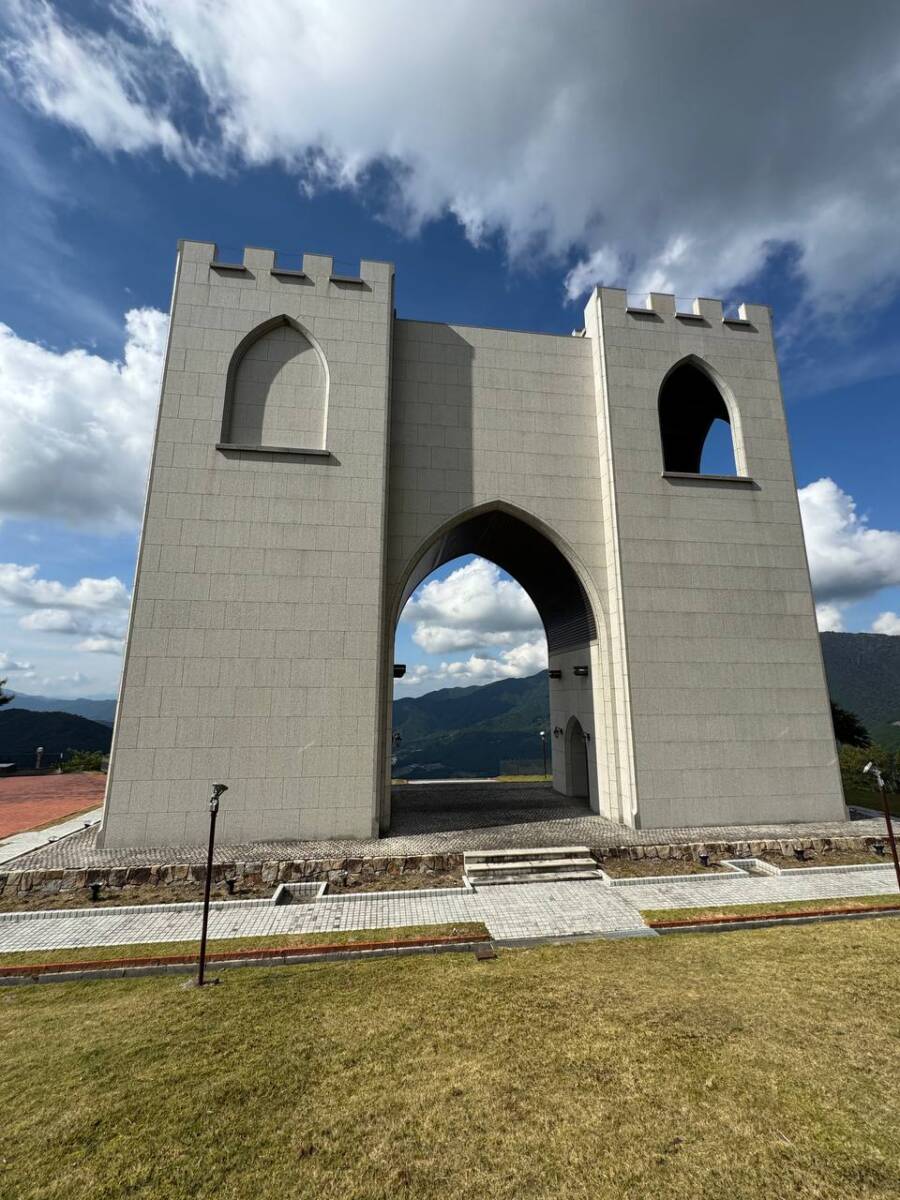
column 580, row 670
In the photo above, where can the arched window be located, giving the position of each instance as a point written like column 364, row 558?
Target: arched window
column 695, row 424
column 277, row 390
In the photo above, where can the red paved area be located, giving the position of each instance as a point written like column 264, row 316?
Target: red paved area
column 33, row 801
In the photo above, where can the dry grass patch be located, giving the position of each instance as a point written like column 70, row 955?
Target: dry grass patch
column 653, row 1069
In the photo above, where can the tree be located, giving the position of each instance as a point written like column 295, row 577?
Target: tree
column 848, row 728
column 5, row 697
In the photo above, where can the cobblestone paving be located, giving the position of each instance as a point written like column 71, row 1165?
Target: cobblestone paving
column 510, row 912
column 449, row 818
column 766, row 889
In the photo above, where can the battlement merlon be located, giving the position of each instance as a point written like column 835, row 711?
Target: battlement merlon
column 254, row 259
column 660, row 307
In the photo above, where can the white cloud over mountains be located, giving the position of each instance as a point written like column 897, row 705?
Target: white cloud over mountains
column 848, row 560
column 516, row 663
column 77, row 427
column 676, row 145
column 473, row 608
column 95, row 610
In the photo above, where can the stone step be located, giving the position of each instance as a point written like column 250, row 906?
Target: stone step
column 535, row 877
column 473, row 856
column 531, row 864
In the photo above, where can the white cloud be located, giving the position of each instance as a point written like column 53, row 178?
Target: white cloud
column 23, row 586
column 474, row 607
column 678, row 145
column 848, row 560
column 830, row 618
column 887, row 622
column 515, row 663
column 7, row 663
column 77, row 428
column 101, row 645
column 88, row 82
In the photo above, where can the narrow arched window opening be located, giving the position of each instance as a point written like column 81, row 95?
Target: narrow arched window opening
column 695, row 424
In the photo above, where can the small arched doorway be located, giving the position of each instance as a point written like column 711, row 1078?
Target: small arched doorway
column 577, row 774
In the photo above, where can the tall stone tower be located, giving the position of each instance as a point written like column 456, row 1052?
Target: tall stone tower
column 316, row 458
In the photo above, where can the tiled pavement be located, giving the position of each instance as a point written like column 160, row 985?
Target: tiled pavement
column 804, row 884
column 446, row 818
column 510, row 912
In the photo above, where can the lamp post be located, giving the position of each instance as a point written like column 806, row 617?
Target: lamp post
column 543, row 737
column 217, row 790
column 872, row 769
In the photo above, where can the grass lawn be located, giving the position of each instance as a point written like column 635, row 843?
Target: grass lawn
column 649, row 1069
column 845, row 903
column 280, row 940
column 867, row 797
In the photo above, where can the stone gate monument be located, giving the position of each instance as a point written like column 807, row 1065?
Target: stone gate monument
column 316, row 457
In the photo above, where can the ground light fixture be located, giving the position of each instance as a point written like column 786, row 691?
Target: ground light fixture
column 217, row 790
column 704, row 858
column 872, row 769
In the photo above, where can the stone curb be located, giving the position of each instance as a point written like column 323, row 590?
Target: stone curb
column 263, row 956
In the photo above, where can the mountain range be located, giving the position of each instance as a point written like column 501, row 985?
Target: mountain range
column 485, row 730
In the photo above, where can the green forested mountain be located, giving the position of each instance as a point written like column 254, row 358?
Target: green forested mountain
column 476, row 731
column 94, row 710
column 486, row 730
column 864, row 676
column 22, row 731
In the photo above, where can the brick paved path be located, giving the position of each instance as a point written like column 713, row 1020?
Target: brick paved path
column 447, row 818
column 510, row 912
column 32, row 801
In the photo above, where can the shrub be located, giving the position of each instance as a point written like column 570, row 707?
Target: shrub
column 83, row 760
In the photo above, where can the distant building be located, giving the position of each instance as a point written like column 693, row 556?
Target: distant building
column 316, row 458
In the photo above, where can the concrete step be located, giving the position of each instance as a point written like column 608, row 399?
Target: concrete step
column 540, row 865
column 473, row 856
column 501, row 878
column 531, row 864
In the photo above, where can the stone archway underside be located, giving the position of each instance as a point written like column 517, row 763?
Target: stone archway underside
column 532, row 560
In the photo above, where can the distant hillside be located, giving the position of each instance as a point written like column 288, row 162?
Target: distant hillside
column 480, row 731
column 94, row 710
column 472, row 731
column 22, row 731
column 864, row 676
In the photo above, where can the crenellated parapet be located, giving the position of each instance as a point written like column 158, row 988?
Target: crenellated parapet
column 662, row 306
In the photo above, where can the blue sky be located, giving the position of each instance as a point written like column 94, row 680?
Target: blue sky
column 304, row 126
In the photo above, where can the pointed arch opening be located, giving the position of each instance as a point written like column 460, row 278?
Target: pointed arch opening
column 514, row 725
column 276, row 390
column 698, row 423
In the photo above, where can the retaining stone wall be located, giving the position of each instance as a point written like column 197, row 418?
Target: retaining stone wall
column 364, row 870
column 251, row 874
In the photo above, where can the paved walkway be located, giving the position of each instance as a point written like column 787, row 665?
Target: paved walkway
column 806, row 884
column 511, row 912
column 35, row 839
column 441, row 818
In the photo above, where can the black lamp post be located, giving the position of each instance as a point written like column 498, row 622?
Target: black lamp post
column 217, row 790
column 543, row 737
column 871, row 768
